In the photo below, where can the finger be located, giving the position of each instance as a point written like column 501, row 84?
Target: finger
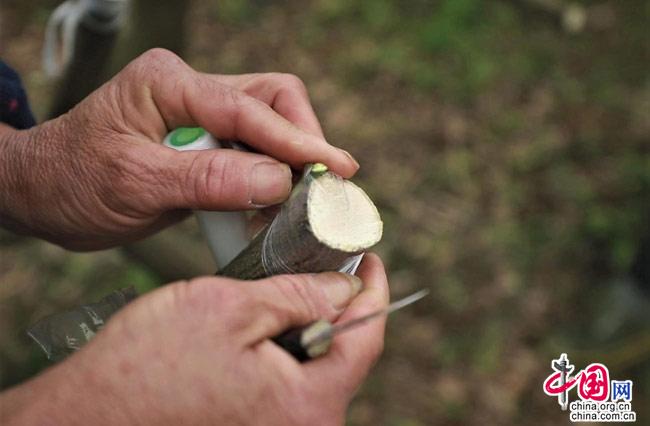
column 286, row 301
column 220, row 179
column 4, row 128
column 285, row 93
column 185, row 97
column 354, row 352
column 241, row 117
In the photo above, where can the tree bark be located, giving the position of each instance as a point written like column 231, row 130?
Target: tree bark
column 151, row 23
column 325, row 221
column 86, row 71
column 99, row 56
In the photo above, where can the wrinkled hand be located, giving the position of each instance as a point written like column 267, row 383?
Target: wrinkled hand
column 199, row 353
column 98, row 176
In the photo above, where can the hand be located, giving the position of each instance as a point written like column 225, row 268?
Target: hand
column 199, row 353
column 98, row 177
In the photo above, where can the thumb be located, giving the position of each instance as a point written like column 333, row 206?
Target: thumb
column 220, row 179
column 287, row 301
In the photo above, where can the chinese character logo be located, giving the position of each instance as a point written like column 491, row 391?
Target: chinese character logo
column 600, row 398
column 594, row 383
column 559, row 383
column 622, row 390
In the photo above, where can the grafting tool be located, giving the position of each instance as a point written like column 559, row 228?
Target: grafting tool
column 315, row 339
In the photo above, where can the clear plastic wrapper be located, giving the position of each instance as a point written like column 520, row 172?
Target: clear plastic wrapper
column 63, row 333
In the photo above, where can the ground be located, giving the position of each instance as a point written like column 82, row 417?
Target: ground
column 507, row 150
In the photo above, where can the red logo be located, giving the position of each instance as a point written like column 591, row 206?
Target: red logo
column 601, row 399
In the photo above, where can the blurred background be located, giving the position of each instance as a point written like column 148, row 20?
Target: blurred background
column 506, row 144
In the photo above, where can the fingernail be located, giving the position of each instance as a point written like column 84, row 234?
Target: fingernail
column 347, row 154
column 341, row 288
column 270, row 183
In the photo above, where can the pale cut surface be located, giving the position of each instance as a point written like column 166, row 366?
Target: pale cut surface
column 341, row 215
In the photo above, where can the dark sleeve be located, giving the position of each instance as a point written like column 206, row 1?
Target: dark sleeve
column 14, row 108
